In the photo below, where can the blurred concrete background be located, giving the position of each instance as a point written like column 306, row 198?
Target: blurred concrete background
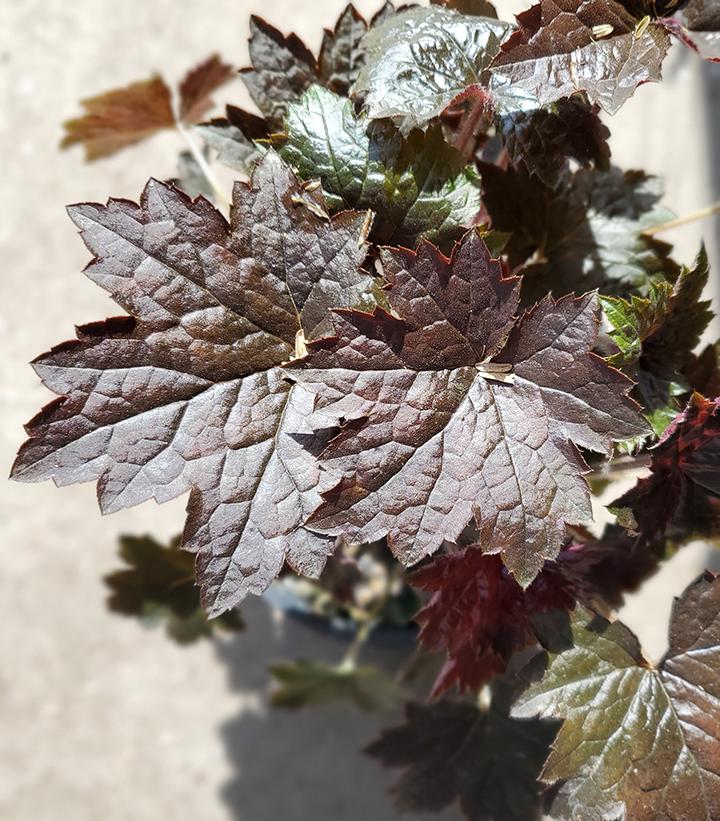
column 100, row 718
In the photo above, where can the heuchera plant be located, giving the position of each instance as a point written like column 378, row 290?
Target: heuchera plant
column 433, row 322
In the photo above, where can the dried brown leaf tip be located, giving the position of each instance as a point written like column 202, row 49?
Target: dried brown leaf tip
column 122, row 117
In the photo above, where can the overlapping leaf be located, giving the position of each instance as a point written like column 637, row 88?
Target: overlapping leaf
column 702, row 18
column 453, row 751
column 282, row 69
column 586, row 234
column 682, row 495
column 656, row 335
column 418, row 187
column 125, row 116
column 545, row 139
column 468, row 614
column 186, row 394
column 420, row 59
column 563, row 46
column 638, row 741
column 159, row 585
column 306, row 683
column 452, row 411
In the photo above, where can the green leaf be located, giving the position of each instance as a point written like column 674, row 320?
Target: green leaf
column 418, row 186
column 635, row 735
column 159, row 585
column 305, row 683
column 656, row 336
column 421, row 58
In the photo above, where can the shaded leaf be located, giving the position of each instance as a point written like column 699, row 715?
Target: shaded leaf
column 420, row 59
column 159, row 585
column 682, row 494
column 702, row 18
column 545, row 139
column 556, row 52
column 191, row 179
column 656, row 336
column 186, row 394
column 419, row 187
column 702, row 371
column 453, row 751
column 233, row 138
column 306, row 683
column 451, row 411
column 480, row 8
column 586, row 234
column 119, row 118
column 198, row 85
column 473, row 595
column 601, row 570
column 635, row 737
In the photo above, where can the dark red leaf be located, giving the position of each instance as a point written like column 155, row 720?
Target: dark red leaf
column 122, row 117
column 198, row 85
column 480, row 615
column 187, row 394
column 682, row 494
column 456, row 411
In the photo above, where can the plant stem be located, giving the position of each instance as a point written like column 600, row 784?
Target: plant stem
column 622, row 464
column 688, row 218
column 220, row 196
column 466, row 138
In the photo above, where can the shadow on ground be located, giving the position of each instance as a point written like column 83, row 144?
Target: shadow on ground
column 308, row 764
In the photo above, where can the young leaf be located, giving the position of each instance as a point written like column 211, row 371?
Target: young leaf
column 159, row 584
column 452, row 410
column 468, row 614
column 186, row 394
column 556, row 51
column 586, row 234
column 119, row 118
column 682, row 494
column 453, row 751
column 418, row 187
column 656, row 336
column 420, row 59
column 635, row 737
column 198, row 85
column 306, row 683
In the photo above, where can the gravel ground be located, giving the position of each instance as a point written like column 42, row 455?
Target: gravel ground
column 102, row 719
